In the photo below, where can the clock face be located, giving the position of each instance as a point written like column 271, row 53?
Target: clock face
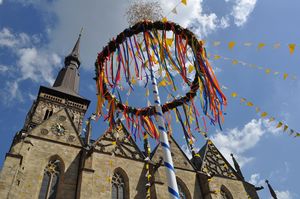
column 58, row 129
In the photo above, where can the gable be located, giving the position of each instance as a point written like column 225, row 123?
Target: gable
column 180, row 160
column 118, row 142
column 59, row 127
column 213, row 162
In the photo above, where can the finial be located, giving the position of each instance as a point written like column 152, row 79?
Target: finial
column 81, row 31
column 272, row 192
column 237, row 167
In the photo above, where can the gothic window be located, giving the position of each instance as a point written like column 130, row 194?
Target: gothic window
column 50, row 180
column 225, row 194
column 182, row 189
column 48, row 114
column 119, row 183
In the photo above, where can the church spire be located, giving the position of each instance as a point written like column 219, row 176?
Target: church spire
column 74, row 55
column 67, row 80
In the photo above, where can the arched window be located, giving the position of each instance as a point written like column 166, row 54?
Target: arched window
column 120, row 185
column 50, row 180
column 225, row 193
column 182, row 189
column 48, row 114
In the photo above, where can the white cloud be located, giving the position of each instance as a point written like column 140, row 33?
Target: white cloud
column 283, row 194
column 3, row 69
column 32, row 62
column 242, row 10
column 37, row 65
column 256, row 180
column 238, row 141
column 10, row 40
column 1, row 1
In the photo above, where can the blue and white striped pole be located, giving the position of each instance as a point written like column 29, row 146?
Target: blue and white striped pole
column 164, row 141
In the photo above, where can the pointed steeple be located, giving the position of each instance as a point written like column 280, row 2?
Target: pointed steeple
column 74, row 55
column 67, row 80
column 272, row 192
column 237, row 167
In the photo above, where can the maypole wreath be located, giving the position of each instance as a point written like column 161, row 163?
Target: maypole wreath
column 147, row 47
column 125, row 49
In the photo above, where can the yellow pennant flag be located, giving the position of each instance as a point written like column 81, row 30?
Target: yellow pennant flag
column 126, row 103
column 174, row 10
column 163, row 83
column 292, row 48
column 285, row 127
column 164, row 19
column 217, row 57
column 133, row 80
column 190, row 68
column 264, row 114
column 285, row 75
column 216, row 43
column 147, row 92
column 271, row 119
column 231, row 45
column 169, row 41
column 297, row 135
column 113, row 142
column 184, row 2
column 234, row 94
column 261, row 45
column 279, row 125
column 235, row 61
column 249, row 104
column 268, row 71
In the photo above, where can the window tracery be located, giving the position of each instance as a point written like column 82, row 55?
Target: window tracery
column 50, row 180
column 118, row 186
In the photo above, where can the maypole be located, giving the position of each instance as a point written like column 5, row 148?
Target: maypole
column 164, row 141
column 135, row 53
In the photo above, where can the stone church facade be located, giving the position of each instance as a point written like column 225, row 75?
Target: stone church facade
column 49, row 158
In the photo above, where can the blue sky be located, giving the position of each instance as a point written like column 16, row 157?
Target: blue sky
column 36, row 35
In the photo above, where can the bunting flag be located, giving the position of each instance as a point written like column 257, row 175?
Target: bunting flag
column 174, row 9
column 184, row 2
column 264, row 114
column 147, row 166
column 266, row 70
column 231, row 45
column 292, row 48
column 261, row 45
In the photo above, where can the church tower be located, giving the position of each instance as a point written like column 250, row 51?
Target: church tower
column 49, row 142
column 50, row 159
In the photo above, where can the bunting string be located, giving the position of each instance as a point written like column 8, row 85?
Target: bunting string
column 291, row 47
column 267, row 71
column 174, row 9
column 264, row 115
